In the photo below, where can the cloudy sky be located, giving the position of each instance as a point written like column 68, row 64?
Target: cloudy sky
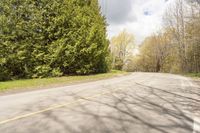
column 140, row 17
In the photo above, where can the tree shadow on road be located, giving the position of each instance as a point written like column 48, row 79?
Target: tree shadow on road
column 138, row 109
column 156, row 111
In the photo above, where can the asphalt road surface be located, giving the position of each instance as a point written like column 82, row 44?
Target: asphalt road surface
column 136, row 103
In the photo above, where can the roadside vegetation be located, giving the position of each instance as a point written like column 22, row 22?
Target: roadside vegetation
column 121, row 48
column 50, row 38
column 53, row 82
column 193, row 75
column 174, row 49
column 55, row 38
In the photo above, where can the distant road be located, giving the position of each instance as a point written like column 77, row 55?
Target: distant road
column 136, row 103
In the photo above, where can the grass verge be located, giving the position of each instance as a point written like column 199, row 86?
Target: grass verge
column 193, row 75
column 53, row 82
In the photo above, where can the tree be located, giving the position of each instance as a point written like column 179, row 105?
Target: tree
column 177, row 47
column 176, row 20
column 121, row 47
column 155, row 53
column 193, row 36
column 184, row 20
column 85, row 48
column 41, row 38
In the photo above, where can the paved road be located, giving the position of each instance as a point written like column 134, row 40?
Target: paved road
column 137, row 103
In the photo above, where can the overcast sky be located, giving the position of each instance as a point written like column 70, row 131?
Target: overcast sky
column 140, row 17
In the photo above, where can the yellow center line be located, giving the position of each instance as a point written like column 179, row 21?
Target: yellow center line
column 53, row 108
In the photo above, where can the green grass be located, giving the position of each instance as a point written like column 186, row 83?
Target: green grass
column 193, row 75
column 52, row 82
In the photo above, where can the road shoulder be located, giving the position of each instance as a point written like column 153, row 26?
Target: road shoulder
column 56, row 85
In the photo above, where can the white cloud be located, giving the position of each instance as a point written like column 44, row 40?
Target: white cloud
column 146, row 14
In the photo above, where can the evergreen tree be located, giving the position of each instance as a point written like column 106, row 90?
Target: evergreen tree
column 40, row 38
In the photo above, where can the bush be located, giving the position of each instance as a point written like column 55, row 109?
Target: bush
column 56, row 72
column 118, row 64
column 42, row 71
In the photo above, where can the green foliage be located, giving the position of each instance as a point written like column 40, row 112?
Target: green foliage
column 42, row 38
column 42, row 71
column 118, row 64
column 197, row 75
column 56, row 72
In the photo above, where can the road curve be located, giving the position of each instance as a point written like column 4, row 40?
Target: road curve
column 136, row 103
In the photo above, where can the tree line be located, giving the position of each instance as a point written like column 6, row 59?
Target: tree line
column 175, row 48
column 45, row 38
